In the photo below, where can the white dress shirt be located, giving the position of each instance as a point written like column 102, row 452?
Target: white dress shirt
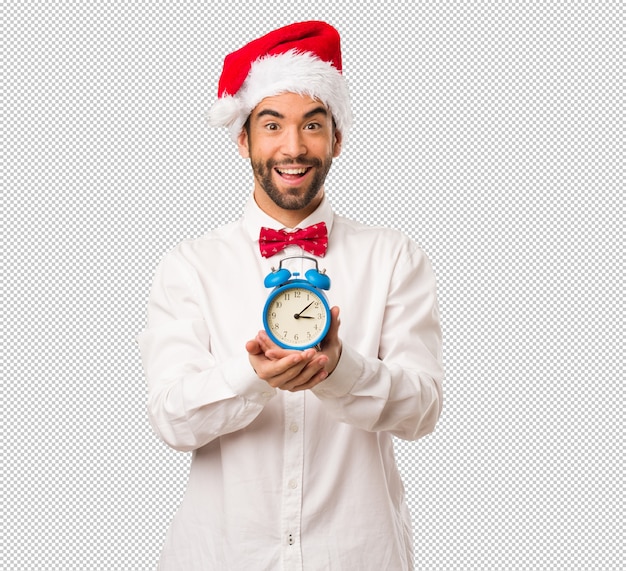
column 281, row 480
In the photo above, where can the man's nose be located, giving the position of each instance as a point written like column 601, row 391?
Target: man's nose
column 293, row 144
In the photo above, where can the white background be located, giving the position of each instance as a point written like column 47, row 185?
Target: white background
column 490, row 132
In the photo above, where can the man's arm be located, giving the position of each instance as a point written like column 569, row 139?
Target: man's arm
column 401, row 390
column 192, row 399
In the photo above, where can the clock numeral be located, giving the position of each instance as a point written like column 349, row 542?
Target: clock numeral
column 310, row 317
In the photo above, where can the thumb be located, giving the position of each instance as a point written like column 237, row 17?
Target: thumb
column 253, row 347
column 335, row 322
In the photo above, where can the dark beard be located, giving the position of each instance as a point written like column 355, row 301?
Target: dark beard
column 293, row 199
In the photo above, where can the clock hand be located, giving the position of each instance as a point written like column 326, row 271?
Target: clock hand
column 300, row 316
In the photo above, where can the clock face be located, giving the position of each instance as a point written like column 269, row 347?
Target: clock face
column 296, row 316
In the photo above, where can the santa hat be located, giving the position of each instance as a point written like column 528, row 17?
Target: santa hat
column 302, row 58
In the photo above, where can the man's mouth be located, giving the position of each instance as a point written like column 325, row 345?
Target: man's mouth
column 292, row 173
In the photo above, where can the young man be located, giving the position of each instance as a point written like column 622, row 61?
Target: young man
column 293, row 464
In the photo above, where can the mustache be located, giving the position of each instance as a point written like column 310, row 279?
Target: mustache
column 313, row 162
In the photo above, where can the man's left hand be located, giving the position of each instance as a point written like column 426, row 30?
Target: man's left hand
column 296, row 370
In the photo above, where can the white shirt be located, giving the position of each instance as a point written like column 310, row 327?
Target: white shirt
column 282, row 480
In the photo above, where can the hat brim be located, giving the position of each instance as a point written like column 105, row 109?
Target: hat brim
column 289, row 72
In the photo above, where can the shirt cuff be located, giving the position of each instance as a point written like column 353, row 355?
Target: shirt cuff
column 242, row 379
column 346, row 374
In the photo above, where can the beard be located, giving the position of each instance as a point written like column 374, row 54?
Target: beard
column 294, row 198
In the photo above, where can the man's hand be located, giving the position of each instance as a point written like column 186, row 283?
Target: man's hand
column 295, row 370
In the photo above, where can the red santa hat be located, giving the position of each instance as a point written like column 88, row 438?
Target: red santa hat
column 302, row 58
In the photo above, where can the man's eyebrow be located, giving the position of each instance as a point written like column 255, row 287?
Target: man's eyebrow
column 321, row 110
column 272, row 113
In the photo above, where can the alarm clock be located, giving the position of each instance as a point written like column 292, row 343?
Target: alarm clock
column 296, row 313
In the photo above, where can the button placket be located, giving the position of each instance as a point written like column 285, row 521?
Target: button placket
column 293, row 467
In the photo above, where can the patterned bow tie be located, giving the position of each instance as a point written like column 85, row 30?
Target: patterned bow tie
column 313, row 239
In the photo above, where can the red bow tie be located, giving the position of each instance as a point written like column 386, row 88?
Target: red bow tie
column 313, row 239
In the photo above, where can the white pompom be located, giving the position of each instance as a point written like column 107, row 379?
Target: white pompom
column 224, row 112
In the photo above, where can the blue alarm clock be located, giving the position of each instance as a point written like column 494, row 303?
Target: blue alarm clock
column 296, row 313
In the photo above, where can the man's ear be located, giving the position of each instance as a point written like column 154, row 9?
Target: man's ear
column 242, row 144
column 337, row 144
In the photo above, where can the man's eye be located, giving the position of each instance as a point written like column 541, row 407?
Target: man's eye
column 271, row 126
column 313, row 126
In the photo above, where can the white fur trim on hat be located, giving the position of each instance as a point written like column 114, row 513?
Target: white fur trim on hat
column 290, row 72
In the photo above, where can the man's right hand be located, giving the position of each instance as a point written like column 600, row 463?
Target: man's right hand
column 287, row 370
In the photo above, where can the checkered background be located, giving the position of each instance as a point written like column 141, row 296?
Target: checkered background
column 491, row 132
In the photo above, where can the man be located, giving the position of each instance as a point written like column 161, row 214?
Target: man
column 293, row 464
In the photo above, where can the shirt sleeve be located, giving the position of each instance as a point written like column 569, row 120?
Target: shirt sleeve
column 400, row 391
column 192, row 399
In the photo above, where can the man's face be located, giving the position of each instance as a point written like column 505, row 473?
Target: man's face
column 291, row 142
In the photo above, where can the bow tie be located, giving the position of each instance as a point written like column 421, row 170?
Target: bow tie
column 313, row 239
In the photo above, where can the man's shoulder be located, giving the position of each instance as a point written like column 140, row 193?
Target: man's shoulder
column 207, row 245
column 379, row 242
column 349, row 227
column 224, row 232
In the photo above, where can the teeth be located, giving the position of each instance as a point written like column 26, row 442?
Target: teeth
column 291, row 171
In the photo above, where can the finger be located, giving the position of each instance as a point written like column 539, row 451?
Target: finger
column 267, row 344
column 253, row 347
column 278, row 353
column 308, row 377
column 307, row 380
column 273, row 351
column 278, row 373
column 333, row 331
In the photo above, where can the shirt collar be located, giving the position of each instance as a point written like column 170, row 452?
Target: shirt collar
column 254, row 218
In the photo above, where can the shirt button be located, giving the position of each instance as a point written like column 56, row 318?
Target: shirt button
column 294, row 427
column 266, row 395
column 293, row 484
